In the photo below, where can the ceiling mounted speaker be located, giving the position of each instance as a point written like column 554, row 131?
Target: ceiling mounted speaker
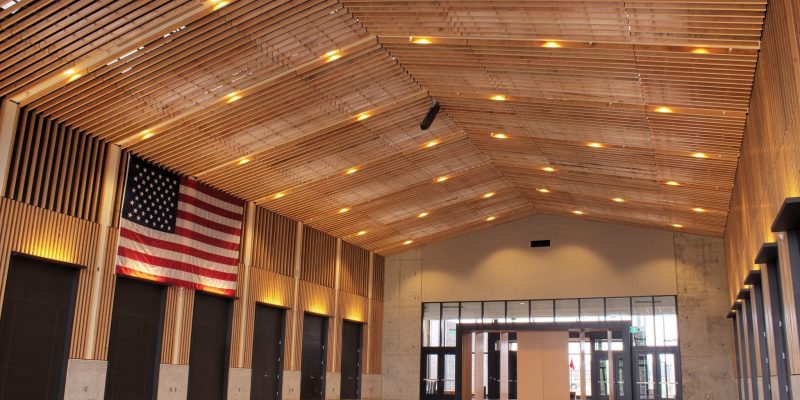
column 430, row 116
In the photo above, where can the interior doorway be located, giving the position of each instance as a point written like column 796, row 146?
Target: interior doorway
column 313, row 362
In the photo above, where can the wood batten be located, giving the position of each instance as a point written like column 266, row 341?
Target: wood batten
column 378, row 277
column 274, row 242
column 8, row 125
column 355, row 271
column 318, row 261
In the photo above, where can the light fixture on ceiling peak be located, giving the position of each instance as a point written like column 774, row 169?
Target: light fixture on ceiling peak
column 74, row 77
column 499, row 135
column 362, row 116
column 700, row 50
column 70, row 71
column 217, row 4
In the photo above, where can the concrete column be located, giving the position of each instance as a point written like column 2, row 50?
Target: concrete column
column 504, row 384
column 8, row 124
column 477, row 373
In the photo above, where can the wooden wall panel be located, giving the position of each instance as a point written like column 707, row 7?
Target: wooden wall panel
column 56, row 167
column 107, row 288
column 373, row 366
column 354, row 275
column 274, row 242
column 177, row 326
column 318, row 260
column 314, row 299
column 353, row 307
column 378, row 274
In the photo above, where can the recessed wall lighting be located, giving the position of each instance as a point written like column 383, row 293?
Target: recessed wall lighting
column 498, row 135
column 351, row 171
column 422, row 214
column 498, row 97
column 407, row 242
column 596, row 145
column 578, row 212
column 700, row 155
column 664, row 110
column 278, row 195
column 344, row 210
column 487, row 195
column 543, row 190
column 618, row 200
column 549, row 169
column 699, row 210
column 672, row 183
column 442, row 179
column 491, row 218
column 551, row 45
column 431, row 144
column 677, row 226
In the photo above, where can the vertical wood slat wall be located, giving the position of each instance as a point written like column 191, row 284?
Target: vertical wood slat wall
column 769, row 167
column 51, row 210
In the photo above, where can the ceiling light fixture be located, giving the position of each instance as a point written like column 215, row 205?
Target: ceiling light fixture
column 442, row 179
column 700, row 50
column 422, row 214
column 618, row 200
column 74, row 77
column 699, row 210
column 549, row 169
column 351, row 171
column 332, row 55
column 233, row 96
column 361, row 233
column 491, row 218
column 487, row 195
column 498, row 135
column 552, row 45
column 543, row 190
column 278, row 196
column 147, row 134
column 407, row 242
column 700, row 155
column 431, row 144
column 219, row 4
column 664, row 110
column 344, row 210
column 677, row 226
column 596, row 145
column 498, row 97
column 419, row 40
column 672, row 183
column 70, row 71
column 243, row 161
column 578, row 212
column 362, row 116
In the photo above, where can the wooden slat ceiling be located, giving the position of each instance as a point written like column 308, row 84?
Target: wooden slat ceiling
column 276, row 101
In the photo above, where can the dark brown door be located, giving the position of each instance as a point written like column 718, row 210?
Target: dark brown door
column 208, row 353
column 35, row 329
column 267, row 353
column 134, row 348
column 351, row 360
column 312, row 374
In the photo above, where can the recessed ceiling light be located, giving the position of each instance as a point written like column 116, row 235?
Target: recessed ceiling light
column 419, row 40
column 219, row 4
column 351, row 171
column 618, row 200
column 278, row 195
column 431, row 144
column 549, row 169
column 491, row 218
column 442, row 179
column 70, row 71
column 344, row 210
column 233, row 97
column 543, row 190
column 407, row 242
column 361, row 233
column 677, row 226
column 498, row 135
column 700, row 155
column 700, row 50
column 665, row 110
column 672, row 183
column 487, row 195
column 422, row 215
column 551, row 45
column 596, row 145
column 498, row 97
column 147, row 134
column 74, row 77
column 332, row 55
column 699, row 210
column 243, row 161
column 362, row 116
column 578, row 212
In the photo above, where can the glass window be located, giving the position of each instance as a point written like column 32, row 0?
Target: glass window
column 431, row 325
column 566, row 310
column 618, row 309
column 542, row 311
column 494, row 311
column 518, row 311
column 643, row 321
column 449, row 321
column 666, row 321
column 471, row 312
column 593, row 310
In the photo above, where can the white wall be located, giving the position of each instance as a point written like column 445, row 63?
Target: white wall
column 586, row 259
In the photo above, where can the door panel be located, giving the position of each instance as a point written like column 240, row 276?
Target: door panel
column 312, row 374
column 135, row 343
column 208, row 353
column 267, row 353
column 351, row 360
column 35, row 329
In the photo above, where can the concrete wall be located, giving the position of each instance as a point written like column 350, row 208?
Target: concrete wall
column 694, row 269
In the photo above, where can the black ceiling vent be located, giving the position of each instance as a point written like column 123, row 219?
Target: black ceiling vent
column 540, row 243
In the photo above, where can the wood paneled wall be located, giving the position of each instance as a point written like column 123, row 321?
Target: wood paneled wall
column 274, row 242
column 769, row 166
column 378, row 277
column 354, row 276
column 318, row 259
column 56, row 167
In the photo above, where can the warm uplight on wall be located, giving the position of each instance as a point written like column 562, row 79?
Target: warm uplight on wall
column 344, row 210
column 596, row 145
column 147, row 134
column 431, row 144
column 332, row 55
column 419, row 40
column 699, row 210
column 243, row 161
column 278, row 196
column 442, row 179
column 664, row 110
column 618, row 200
column 551, row 45
column 499, row 135
column 351, row 171
column 407, row 242
column 422, row 215
column 677, row 226
column 543, row 190
column 488, row 195
column 700, row 155
column 490, row 219
column 672, row 183
column 233, row 97
column 549, row 169
column 578, row 212
column 498, row 97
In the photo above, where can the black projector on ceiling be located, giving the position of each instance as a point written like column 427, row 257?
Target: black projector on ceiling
column 430, row 116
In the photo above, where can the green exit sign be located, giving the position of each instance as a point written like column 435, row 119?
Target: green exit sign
column 634, row 330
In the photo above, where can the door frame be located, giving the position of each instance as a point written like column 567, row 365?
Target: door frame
column 284, row 316
column 441, row 352
column 656, row 352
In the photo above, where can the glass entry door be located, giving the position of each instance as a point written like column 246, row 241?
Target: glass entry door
column 438, row 373
column 656, row 373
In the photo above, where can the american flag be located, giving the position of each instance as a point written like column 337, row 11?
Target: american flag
column 176, row 230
